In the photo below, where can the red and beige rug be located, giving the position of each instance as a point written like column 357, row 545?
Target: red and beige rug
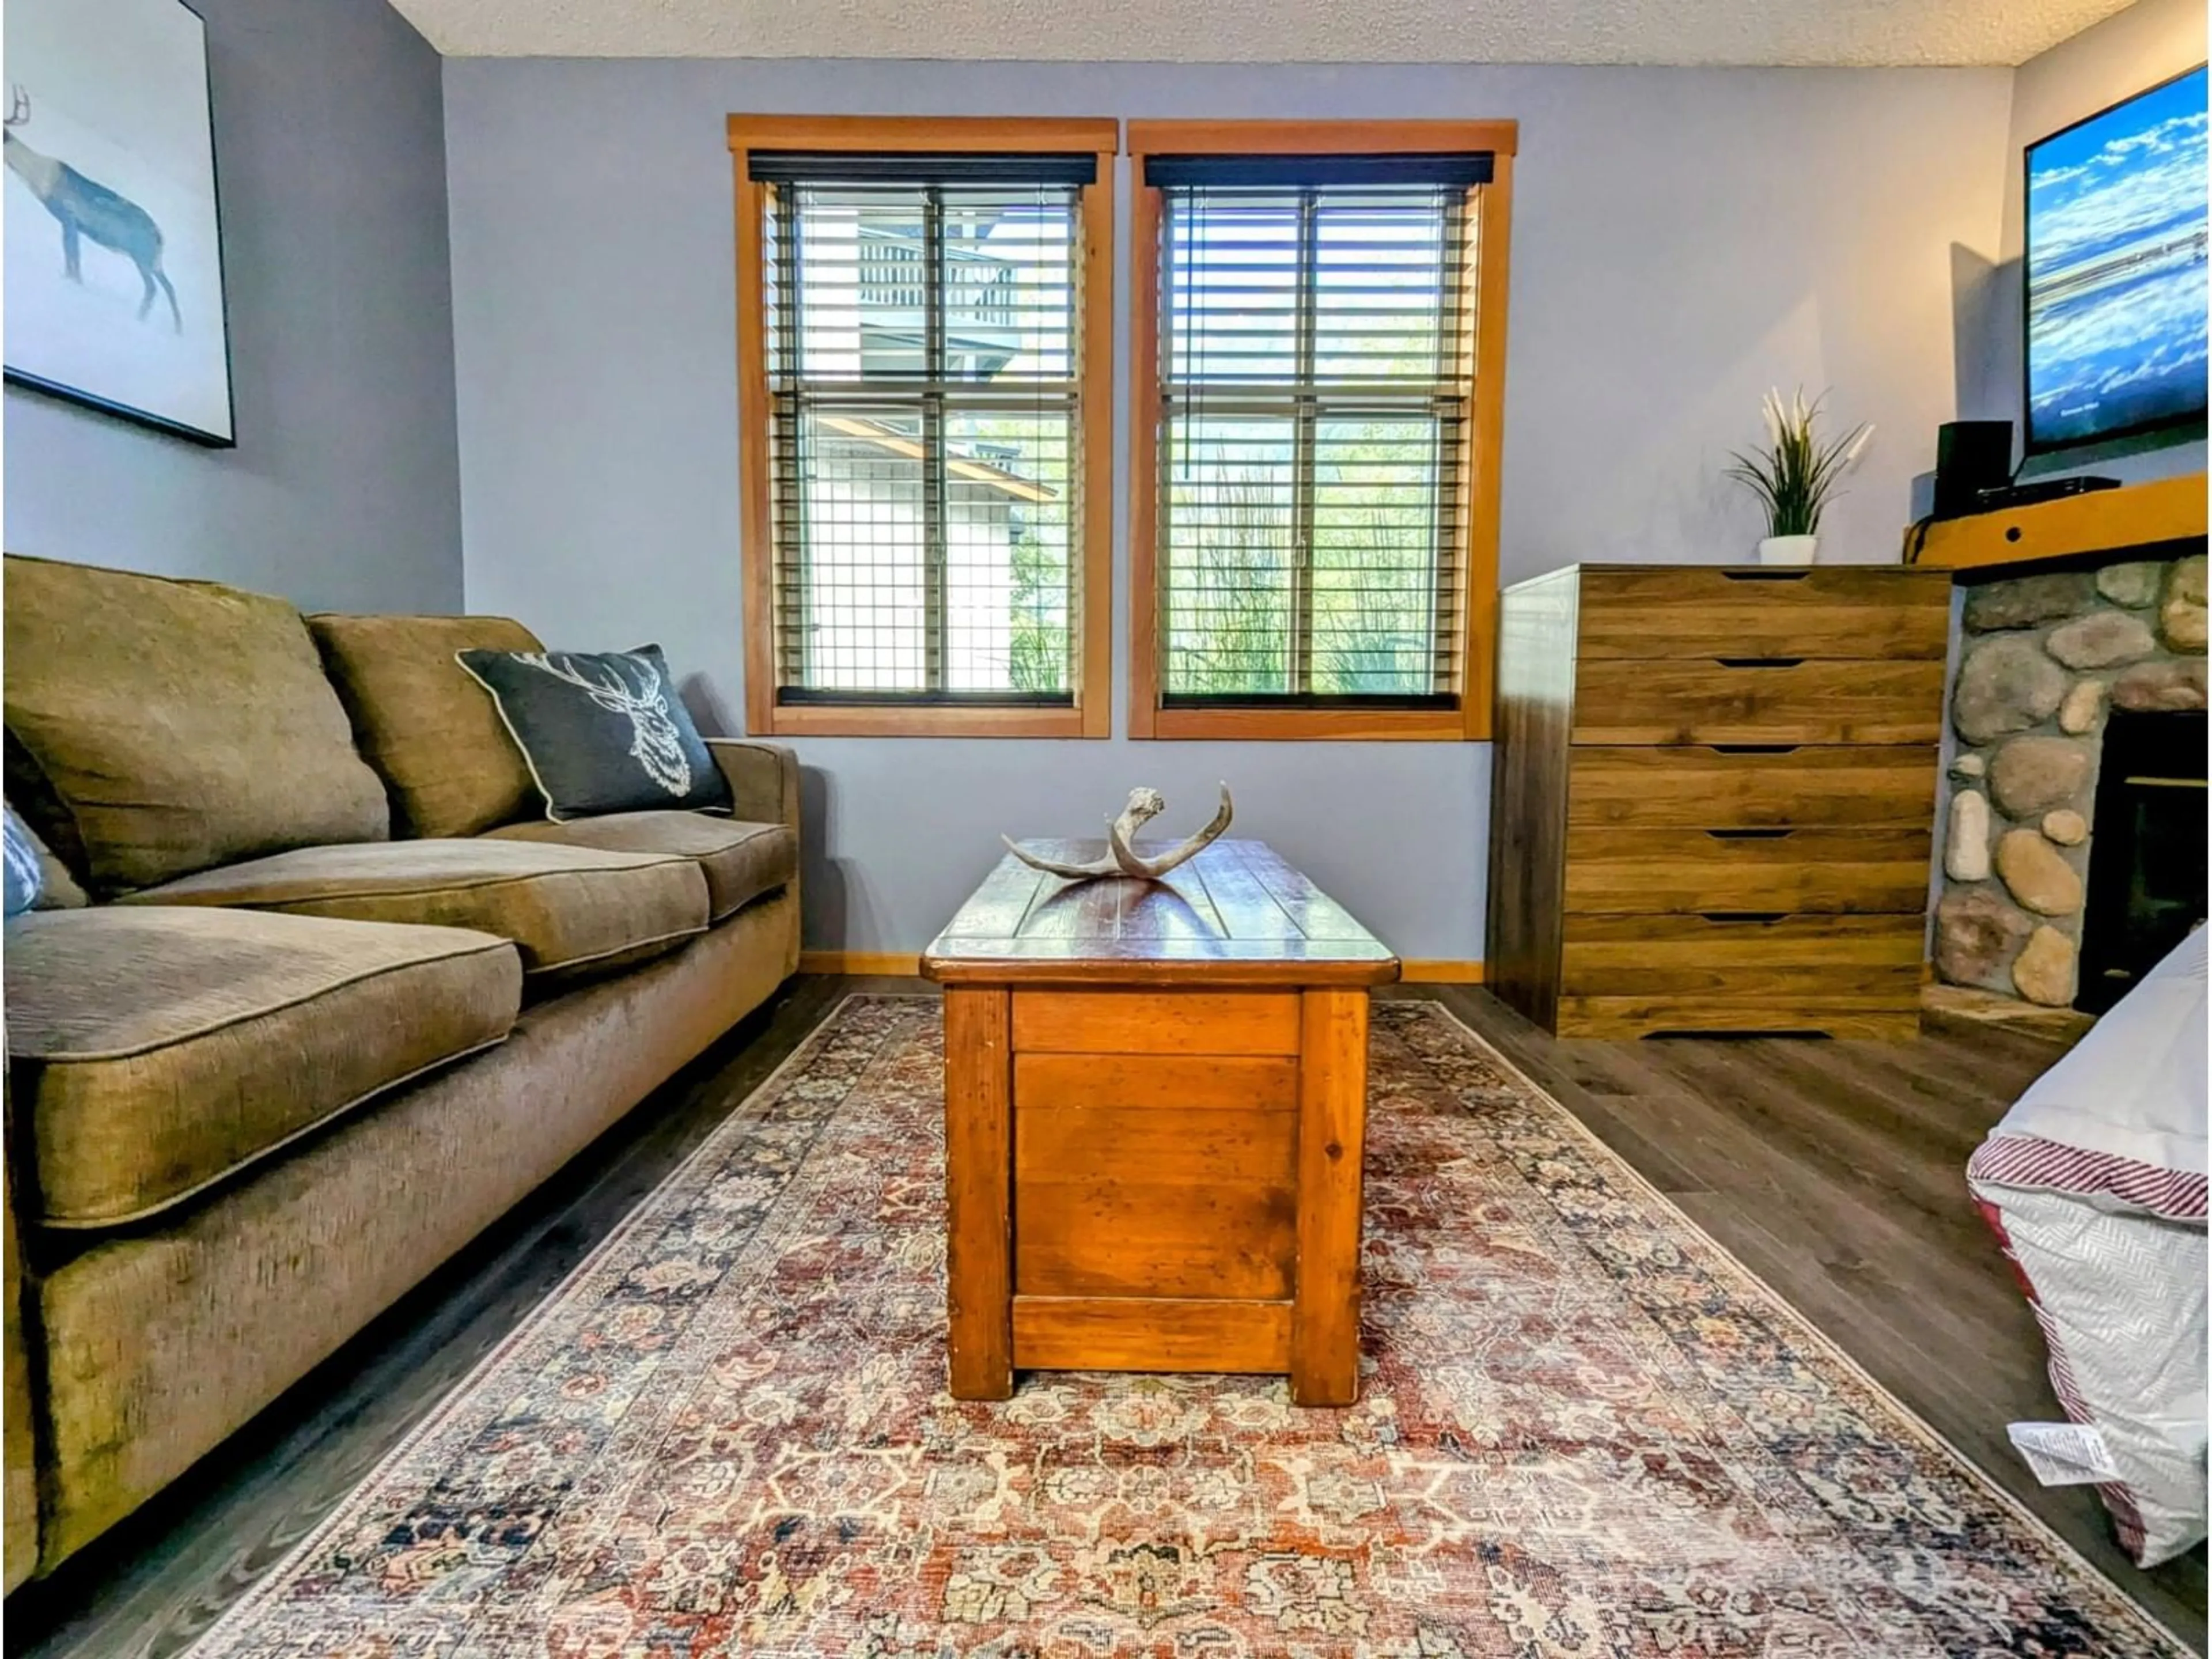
column 1585, row 1432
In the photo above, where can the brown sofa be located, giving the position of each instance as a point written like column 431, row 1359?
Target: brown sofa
column 340, row 996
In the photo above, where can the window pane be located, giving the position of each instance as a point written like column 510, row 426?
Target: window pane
column 1006, row 593
column 857, row 606
column 1375, row 567
column 1233, row 286
column 862, row 283
column 1230, row 560
column 1010, row 285
column 1379, row 286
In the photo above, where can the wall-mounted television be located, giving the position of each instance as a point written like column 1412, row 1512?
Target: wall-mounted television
column 2115, row 258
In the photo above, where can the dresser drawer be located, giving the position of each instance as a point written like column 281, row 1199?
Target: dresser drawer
column 1625, row 976
column 1767, row 957
column 1702, row 787
column 1857, row 614
column 1872, row 1019
column 1612, row 870
column 1745, row 699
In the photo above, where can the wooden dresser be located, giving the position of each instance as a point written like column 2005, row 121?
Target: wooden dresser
column 1713, row 796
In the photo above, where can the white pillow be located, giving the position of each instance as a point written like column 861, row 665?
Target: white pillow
column 2095, row 1182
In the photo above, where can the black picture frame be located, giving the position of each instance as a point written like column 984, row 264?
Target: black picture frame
column 217, row 310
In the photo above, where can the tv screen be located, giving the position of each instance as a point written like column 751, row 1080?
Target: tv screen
column 2116, row 261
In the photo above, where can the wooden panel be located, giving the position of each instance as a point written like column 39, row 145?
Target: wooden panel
column 1644, row 871
column 1331, row 1151
column 1151, row 1333
column 1235, row 915
column 2105, row 521
column 1875, row 1021
column 1262, row 137
column 1804, row 957
column 1703, row 787
column 1156, row 1083
column 1528, row 791
column 978, row 1123
column 1750, row 699
column 1148, row 1200
column 1026, row 134
column 1645, row 611
column 1150, row 1023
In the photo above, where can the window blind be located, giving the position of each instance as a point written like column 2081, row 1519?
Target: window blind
column 922, row 327
column 1316, row 369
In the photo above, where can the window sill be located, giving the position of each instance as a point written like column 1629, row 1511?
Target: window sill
column 1308, row 725
column 829, row 719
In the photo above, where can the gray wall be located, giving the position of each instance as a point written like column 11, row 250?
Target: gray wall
column 1682, row 239
column 2151, row 41
column 344, row 491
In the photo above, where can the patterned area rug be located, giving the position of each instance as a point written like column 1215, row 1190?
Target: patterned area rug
column 1584, row 1432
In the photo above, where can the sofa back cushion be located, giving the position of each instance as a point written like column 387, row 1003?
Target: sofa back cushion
column 173, row 726
column 429, row 728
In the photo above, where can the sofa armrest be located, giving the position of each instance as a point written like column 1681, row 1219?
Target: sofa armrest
column 763, row 778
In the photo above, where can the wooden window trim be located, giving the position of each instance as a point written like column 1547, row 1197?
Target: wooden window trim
column 1491, row 224
column 1091, row 716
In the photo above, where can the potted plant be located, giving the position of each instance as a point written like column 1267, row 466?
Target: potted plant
column 1795, row 475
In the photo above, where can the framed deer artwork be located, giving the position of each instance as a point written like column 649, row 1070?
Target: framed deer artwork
column 114, row 246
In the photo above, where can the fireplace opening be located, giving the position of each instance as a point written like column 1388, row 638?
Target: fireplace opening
column 2146, row 861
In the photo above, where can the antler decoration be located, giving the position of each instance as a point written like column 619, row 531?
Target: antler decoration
column 1121, row 857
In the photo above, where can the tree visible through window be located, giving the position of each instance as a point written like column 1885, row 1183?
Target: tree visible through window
column 1320, row 331
column 1313, row 390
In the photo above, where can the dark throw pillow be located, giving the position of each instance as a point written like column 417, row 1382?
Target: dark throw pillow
column 602, row 731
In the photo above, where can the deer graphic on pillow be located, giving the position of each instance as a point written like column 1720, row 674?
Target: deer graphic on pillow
column 653, row 741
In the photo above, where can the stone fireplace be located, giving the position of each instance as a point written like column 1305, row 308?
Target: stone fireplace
column 2045, row 664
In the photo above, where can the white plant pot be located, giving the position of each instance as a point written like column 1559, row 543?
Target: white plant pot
column 1788, row 550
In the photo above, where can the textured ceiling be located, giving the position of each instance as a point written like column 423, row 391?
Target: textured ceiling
column 1793, row 31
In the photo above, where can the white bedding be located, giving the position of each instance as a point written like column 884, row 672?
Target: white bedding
column 2095, row 1181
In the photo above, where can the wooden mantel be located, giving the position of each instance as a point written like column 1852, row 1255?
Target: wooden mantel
column 2103, row 521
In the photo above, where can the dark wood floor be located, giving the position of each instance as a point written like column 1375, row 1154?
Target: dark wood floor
column 1832, row 1169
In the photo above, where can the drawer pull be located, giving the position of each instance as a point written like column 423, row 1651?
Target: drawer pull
column 1754, row 748
column 1751, row 834
column 1759, row 662
column 1765, row 575
column 1743, row 918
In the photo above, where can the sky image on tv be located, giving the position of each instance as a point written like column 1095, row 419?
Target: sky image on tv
column 2116, row 270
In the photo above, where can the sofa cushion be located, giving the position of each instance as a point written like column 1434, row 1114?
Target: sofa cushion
column 429, row 728
column 173, row 726
column 740, row 860
column 565, row 907
column 154, row 1049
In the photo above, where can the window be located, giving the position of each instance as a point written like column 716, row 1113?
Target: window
column 923, row 327
column 1319, row 356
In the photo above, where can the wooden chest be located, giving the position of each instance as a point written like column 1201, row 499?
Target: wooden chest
column 1712, row 798
column 1155, row 1100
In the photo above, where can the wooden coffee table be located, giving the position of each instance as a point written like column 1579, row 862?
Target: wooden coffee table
column 1155, row 1105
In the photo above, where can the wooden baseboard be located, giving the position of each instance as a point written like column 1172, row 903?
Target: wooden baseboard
column 904, row 963
column 1418, row 970
column 1440, row 970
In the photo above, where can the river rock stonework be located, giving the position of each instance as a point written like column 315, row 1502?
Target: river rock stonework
column 2040, row 659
